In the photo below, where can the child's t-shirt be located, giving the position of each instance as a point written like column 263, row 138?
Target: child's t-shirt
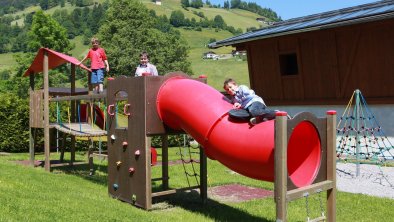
column 246, row 97
column 97, row 58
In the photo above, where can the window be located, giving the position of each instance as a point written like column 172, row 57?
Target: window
column 288, row 64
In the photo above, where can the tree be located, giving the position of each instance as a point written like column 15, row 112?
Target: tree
column 219, row 22
column 185, row 3
column 129, row 29
column 46, row 32
column 235, row 3
column 177, row 18
column 14, row 118
column 226, row 5
column 196, row 4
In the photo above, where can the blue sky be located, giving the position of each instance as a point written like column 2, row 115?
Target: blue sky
column 288, row 9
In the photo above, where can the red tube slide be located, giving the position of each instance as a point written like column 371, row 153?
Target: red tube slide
column 201, row 111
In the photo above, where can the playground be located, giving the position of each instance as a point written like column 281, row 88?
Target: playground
column 290, row 161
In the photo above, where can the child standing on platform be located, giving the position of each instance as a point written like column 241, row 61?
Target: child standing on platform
column 99, row 64
column 145, row 68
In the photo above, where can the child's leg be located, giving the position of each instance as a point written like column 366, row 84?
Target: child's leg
column 100, row 80
column 260, row 113
column 93, row 80
column 257, row 109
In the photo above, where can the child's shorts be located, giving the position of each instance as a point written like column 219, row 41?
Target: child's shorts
column 97, row 76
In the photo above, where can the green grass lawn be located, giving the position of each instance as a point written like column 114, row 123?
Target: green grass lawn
column 70, row 194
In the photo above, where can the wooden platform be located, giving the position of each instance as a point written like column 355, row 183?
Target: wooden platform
column 79, row 129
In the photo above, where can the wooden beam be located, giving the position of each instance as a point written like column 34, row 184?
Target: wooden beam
column 31, row 136
column 203, row 176
column 164, row 160
column 79, row 97
column 172, row 191
column 311, row 189
column 331, row 164
column 280, row 185
column 46, row 113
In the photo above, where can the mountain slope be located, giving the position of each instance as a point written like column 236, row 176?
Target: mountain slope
column 234, row 17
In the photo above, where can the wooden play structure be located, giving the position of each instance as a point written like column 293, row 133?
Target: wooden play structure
column 325, row 180
column 129, row 157
column 298, row 155
column 75, row 126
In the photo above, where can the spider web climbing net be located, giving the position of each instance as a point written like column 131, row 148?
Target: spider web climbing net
column 359, row 135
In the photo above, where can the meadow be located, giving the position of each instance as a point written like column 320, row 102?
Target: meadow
column 70, row 194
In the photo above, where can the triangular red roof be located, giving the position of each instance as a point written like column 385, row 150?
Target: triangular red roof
column 55, row 59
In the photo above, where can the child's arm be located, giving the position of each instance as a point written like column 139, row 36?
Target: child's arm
column 107, row 66
column 82, row 60
column 237, row 105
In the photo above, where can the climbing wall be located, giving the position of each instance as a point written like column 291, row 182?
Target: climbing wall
column 128, row 147
column 131, row 120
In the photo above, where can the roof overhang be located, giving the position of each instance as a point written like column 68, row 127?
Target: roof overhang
column 55, row 59
column 250, row 36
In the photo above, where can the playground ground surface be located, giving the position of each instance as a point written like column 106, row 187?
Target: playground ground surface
column 69, row 193
column 372, row 180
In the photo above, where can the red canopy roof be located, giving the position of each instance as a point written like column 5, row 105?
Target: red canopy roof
column 55, row 59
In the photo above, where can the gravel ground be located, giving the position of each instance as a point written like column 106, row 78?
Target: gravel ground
column 373, row 180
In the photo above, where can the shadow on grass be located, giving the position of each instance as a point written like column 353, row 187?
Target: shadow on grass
column 82, row 170
column 213, row 209
column 188, row 200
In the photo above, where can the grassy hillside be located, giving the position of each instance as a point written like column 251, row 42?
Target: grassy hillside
column 216, row 71
column 234, row 17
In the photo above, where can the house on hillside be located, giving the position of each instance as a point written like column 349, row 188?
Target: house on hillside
column 210, row 55
column 158, row 2
column 321, row 59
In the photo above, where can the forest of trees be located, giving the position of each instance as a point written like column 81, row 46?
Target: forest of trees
column 124, row 18
column 113, row 22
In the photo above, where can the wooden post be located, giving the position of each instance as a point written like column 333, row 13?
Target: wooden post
column 63, row 147
column 31, row 136
column 90, row 156
column 72, row 149
column 331, row 164
column 148, row 174
column 164, row 161
column 203, row 176
column 46, row 113
column 281, row 166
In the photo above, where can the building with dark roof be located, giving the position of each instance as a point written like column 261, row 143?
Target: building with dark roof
column 316, row 62
column 323, row 58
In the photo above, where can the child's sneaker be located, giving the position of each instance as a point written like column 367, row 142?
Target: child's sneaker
column 255, row 120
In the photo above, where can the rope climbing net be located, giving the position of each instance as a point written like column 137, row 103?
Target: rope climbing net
column 359, row 135
column 187, row 159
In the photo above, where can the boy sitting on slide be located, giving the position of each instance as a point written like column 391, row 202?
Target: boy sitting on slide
column 246, row 103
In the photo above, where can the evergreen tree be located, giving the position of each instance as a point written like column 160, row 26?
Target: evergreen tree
column 177, row 18
column 226, row 5
column 129, row 29
column 46, row 32
column 185, row 3
column 218, row 22
column 235, row 3
column 196, row 4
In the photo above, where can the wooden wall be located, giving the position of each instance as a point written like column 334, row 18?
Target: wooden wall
column 332, row 63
